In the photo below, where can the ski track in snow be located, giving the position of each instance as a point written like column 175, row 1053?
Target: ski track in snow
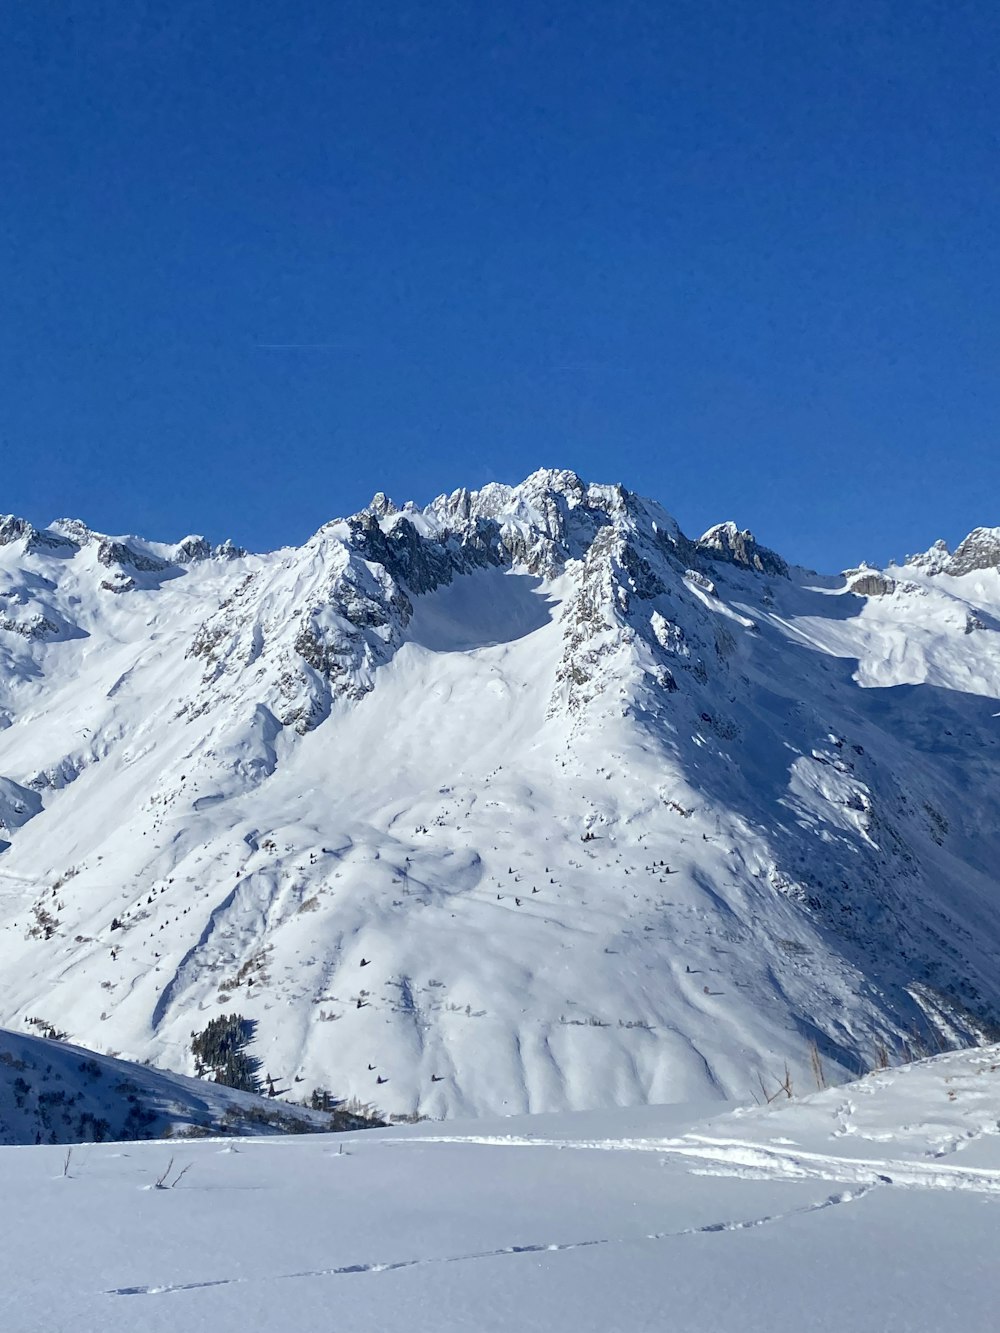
column 760, row 1162
column 710, row 1228
column 952, row 1098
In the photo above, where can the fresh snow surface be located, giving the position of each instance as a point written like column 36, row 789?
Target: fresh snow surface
column 872, row 1207
column 521, row 802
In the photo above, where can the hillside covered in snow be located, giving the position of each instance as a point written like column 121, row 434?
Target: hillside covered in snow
column 869, row 1207
column 522, row 801
column 51, row 1092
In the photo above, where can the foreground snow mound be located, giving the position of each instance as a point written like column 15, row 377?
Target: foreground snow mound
column 898, row 1126
column 521, row 801
column 869, row 1207
column 51, row 1092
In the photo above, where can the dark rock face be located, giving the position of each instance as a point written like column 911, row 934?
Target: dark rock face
column 727, row 542
column 228, row 551
column 980, row 550
column 869, row 582
column 111, row 553
column 34, row 627
column 409, row 558
column 643, row 580
column 12, row 529
column 118, row 584
column 191, row 549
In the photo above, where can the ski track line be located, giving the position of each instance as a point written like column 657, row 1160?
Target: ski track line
column 710, row 1228
column 765, row 1161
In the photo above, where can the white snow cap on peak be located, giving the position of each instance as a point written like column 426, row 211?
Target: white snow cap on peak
column 728, row 529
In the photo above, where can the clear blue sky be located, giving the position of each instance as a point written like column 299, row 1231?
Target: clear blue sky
column 261, row 259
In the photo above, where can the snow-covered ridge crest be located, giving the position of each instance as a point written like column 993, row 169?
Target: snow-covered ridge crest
column 521, row 799
column 349, row 590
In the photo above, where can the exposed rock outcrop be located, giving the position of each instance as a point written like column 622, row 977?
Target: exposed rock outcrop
column 111, row 553
column 980, row 550
column 868, row 582
column 191, row 549
column 12, row 529
column 727, row 542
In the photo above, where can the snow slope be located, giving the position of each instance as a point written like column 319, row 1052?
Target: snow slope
column 519, row 802
column 870, row 1207
column 51, row 1092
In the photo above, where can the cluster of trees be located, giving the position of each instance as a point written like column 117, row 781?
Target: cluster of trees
column 220, row 1052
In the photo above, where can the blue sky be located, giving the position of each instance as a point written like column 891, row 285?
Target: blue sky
column 259, row 260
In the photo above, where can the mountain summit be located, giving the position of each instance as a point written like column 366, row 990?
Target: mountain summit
column 519, row 801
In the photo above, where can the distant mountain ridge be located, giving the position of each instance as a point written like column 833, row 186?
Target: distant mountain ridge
column 521, row 800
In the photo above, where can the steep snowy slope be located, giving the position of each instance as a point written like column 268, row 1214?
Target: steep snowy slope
column 522, row 801
column 870, row 1207
column 54, row 1093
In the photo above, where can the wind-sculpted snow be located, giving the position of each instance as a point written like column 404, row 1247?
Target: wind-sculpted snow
column 519, row 801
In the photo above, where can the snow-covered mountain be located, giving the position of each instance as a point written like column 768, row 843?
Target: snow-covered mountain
column 522, row 801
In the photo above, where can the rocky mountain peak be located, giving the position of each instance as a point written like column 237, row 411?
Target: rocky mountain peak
column 980, row 550
column 74, row 530
column 381, row 506
column 727, row 542
column 932, row 561
column 190, row 549
column 13, row 529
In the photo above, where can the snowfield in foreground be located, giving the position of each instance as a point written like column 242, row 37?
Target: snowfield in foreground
column 869, row 1207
